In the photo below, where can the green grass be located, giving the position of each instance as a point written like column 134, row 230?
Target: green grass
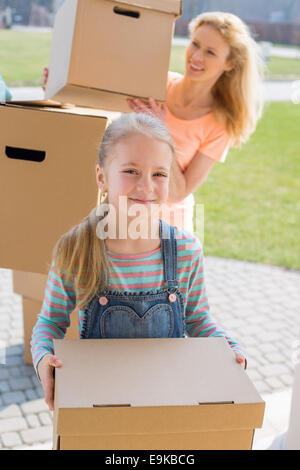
column 282, row 66
column 23, row 57
column 252, row 202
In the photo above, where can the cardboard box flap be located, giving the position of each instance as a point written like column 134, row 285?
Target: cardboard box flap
column 167, row 6
column 150, row 372
column 85, row 96
column 34, row 106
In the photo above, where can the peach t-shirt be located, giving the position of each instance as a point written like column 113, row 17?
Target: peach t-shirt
column 204, row 135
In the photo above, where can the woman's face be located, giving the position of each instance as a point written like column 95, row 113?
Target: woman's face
column 139, row 170
column 206, row 55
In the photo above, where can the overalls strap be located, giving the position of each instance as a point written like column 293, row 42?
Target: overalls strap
column 169, row 253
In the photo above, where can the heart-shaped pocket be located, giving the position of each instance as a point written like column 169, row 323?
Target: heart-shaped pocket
column 122, row 321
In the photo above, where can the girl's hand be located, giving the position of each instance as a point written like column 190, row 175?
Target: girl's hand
column 157, row 110
column 241, row 360
column 45, row 76
column 46, row 372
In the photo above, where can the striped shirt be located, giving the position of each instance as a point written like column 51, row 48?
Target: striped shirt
column 133, row 273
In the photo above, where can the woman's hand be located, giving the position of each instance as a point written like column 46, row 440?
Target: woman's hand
column 46, row 373
column 157, row 110
column 241, row 360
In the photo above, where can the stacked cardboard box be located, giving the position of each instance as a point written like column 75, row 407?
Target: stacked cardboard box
column 47, row 160
column 31, row 286
column 104, row 51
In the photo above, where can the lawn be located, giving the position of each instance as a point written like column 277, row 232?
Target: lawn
column 279, row 66
column 23, row 56
column 252, row 202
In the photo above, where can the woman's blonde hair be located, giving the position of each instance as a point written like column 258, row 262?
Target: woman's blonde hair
column 238, row 93
column 79, row 255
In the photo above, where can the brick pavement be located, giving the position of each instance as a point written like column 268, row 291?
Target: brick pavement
column 257, row 305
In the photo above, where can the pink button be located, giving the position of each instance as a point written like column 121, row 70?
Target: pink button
column 103, row 301
column 172, row 297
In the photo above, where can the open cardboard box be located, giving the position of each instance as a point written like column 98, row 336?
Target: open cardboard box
column 183, row 393
column 47, row 178
column 104, row 51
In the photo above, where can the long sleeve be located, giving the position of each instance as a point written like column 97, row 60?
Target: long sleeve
column 198, row 319
column 54, row 318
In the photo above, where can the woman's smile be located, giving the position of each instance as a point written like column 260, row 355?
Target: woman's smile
column 195, row 68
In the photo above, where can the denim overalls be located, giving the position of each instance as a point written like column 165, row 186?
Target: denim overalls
column 155, row 314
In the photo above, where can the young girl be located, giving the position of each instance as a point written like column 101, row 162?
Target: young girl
column 215, row 105
column 129, row 286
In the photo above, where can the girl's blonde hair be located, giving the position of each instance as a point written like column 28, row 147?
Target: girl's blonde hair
column 79, row 255
column 238, row 93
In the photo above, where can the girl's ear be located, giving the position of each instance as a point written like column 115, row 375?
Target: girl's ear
column 100, row 178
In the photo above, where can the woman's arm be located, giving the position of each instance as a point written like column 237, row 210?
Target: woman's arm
column 185, row 183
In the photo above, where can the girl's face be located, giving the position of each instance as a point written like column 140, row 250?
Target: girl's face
column 139, row 170
column 206, row 55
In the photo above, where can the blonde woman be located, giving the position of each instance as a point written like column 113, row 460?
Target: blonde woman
column 215, row 105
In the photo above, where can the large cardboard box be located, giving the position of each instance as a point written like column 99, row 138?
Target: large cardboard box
column 104, row 51
column 183, row 393
column 47, row 179
column 31, row 286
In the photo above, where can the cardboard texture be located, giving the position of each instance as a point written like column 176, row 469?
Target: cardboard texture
column 185, row 393
column 47, row 179
column 104, row 51
column 293, row 433
column 31, row 286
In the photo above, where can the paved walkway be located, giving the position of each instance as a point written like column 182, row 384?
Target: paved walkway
column 257, row 305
